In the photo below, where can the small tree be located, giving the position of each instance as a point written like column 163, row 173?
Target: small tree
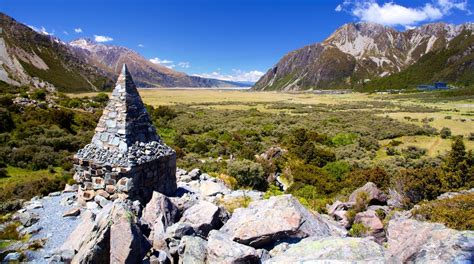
column 247, row 173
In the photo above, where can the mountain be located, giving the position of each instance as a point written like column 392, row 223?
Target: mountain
column 33, row 59
column 146, row 74
column 357, row 53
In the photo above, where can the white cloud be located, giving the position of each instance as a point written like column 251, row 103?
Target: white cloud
column 392, row 14
column 99, row 38
column 78, row 30
column 141, row 45
column 338, row 8
column 167, row 63
column 237, row 75
column 184, row 64
column 65, row 32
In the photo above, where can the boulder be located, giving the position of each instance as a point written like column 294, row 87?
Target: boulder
column 395, row 199
column 371, row 221
column 127, row 244
column 26, row 218
column 14, row 257
column 422, row 242
column 110, row 236
column 194, row 174
column 375, row 195
column 341, row 219
column 331, row 250
column 159, row 208
column 179, row 230
column 210, row 188
column 203, row 217
column 281, row 217
column 192, row 250
column 158, row 236
column 221, row 249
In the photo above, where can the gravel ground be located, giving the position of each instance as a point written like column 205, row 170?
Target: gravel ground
column 55, row 227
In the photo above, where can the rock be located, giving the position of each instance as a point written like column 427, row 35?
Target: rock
column 158, row 236
column 31, row 230
column 281, row 217
column 192, row 250
column 341, row 218
column 338, row 206
column 221, row 249
column 203, row 217
column 33, row 205
column 194, row 174
column 159, row 257
column 179, row 230
column 12, row 257
column 26, row 218
column 127, row 244
column 209, row 188
column 331, row 250
column 53, row 194
column 279, row 248
column 72, row 212
column 421, row 242
column 101, row 200
column 371, row 221
column 162, row 208
column 103, row 193
column 110, row 236
column 395, row 199
column 70, row 188
column 375, row 195
column 92, row 206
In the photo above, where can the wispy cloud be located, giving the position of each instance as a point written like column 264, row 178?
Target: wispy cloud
column 167, row 63
column 236, row 75
column 99, row 38
column 141, row 45
column 184, row 64
column 65, row 32
column 393, row 14
column 78, row 30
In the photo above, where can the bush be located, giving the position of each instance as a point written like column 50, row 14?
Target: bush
column 445, row 132
column 6, row 121
column 420, row 184
column 337, row 169
column 38, row 94
column 391, row 151
column 343, row 139
column 359, row 177
column 100, row 98
column 358, row 230
column 456, row 212
column 413, row 152
column 247, row 173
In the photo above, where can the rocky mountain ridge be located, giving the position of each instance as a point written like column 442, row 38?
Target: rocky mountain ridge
column 30, row 58
column 356, row 53
column 195, row 226
column 146, row 74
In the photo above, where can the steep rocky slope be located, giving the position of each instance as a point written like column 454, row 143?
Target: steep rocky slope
column 30, row 58
column 357, row 53
column 146, row 74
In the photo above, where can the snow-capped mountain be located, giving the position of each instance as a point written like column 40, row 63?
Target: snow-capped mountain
column 356, row 53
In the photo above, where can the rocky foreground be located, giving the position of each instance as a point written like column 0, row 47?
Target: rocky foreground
column 200, row 225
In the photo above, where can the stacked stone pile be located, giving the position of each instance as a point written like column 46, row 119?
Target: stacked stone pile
column 126, row 156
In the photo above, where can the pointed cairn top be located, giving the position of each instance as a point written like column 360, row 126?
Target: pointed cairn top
column 125, row 120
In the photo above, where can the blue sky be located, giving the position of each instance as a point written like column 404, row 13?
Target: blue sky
column 227, row 39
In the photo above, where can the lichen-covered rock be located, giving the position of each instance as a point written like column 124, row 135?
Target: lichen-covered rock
column 410, row 240
column 203, row 217
column 221, row 249
column 331, row 250
column 192, row 250
column 375, row 196
column 281, row 217
column 210, row 188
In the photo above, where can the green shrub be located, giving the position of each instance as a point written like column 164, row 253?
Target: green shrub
column 413, row 152
column 456, row 212
column 445, row 132
column 343, row 139
column 358, row 230
column 272, row 191
column 420, row 184
column 337, row 169
column 39, row 94
column 247, row 173
column 100, row 98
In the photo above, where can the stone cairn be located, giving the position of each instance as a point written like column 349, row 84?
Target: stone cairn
column 126, row 157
